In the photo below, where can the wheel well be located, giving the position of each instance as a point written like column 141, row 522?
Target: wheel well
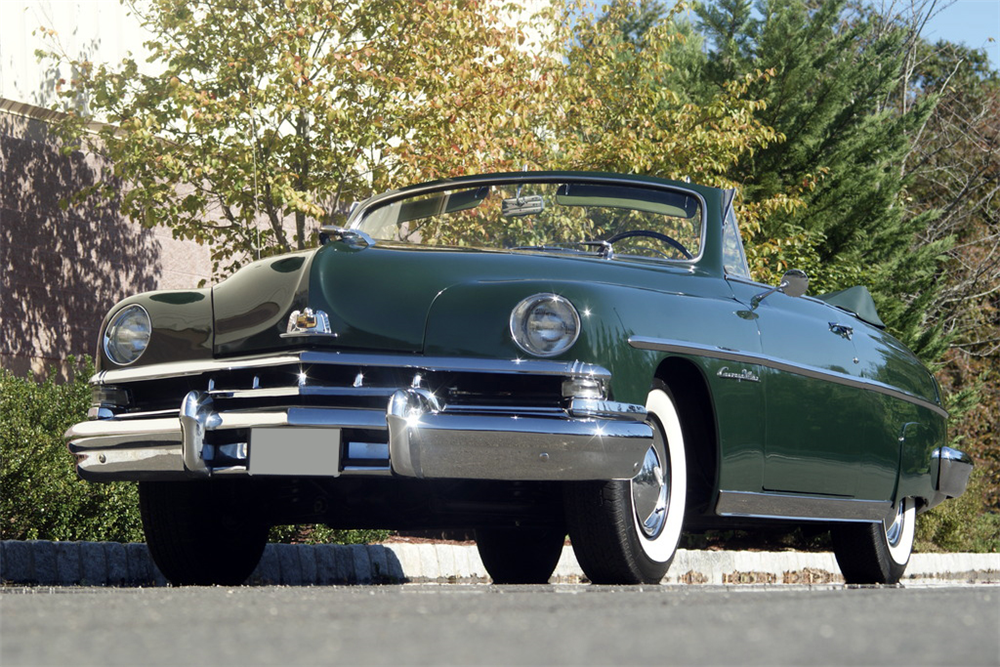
column 697, row 414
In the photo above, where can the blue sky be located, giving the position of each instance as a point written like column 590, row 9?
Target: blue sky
column 969, row 22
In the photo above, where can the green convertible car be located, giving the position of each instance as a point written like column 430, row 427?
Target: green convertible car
column 528, row 355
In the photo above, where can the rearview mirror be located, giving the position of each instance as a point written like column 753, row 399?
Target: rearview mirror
column 794, row 283
column 517, row 207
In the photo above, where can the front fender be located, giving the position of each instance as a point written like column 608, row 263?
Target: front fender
column 473, row 319
column 181, row 327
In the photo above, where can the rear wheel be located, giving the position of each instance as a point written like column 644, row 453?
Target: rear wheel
column 520, row 555
column 626, row 532
column 876, row 553
column 202, row 533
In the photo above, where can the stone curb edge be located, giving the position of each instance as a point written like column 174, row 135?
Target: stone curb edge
column 114, row 564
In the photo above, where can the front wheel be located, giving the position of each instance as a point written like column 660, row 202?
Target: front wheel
column 876, row 553
column 626, row 532
column 202, row 533
column 520, row 555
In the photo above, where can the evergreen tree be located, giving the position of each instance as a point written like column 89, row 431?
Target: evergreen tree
column 843, row 152
column 635, row 19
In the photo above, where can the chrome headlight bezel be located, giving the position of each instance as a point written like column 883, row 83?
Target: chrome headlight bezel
column 127, row 335
column 545, row 325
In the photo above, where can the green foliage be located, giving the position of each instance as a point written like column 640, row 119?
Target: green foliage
column 621, row 110
column 970, row 522
column 954, row 168
column 960, row 524
column 40, row 494
column 320, row 534
column 269, row 113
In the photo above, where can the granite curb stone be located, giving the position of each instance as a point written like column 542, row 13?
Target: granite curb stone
column 15, row 561
column 94, row 562
column 111, row 564
column 117, row 563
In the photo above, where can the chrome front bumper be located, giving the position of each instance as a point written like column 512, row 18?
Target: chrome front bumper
column 420, row 437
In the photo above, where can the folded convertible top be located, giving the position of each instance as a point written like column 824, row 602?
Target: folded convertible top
column 857, row 301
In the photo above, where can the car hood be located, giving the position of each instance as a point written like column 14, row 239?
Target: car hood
column 383, row 297
column 378, row 298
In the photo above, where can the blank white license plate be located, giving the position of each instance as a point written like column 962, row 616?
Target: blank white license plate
column 295, row 451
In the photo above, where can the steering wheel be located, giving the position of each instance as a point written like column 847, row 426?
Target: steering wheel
column 648, row 233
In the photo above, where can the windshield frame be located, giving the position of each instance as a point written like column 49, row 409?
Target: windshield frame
column 368, row 207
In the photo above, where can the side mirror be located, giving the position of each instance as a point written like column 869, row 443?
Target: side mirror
column 794, row 283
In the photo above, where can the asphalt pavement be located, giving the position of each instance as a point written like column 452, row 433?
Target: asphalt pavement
column 113, row 564
column 480, row 624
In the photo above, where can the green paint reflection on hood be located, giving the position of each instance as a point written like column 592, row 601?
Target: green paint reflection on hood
column 379, row 297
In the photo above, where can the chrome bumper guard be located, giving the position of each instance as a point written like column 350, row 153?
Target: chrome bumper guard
column 590, row 439
column 950, row 470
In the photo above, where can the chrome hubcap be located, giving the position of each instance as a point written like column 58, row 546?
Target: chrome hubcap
column 894, row 530
column 650, row 493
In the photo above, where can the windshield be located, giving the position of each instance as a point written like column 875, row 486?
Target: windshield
column 567, row 217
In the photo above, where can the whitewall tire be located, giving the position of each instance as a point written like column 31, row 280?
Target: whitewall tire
column 876, row 553
column 626, row 532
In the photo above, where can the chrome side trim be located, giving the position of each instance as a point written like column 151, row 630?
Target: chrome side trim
column 725, row 354
column 799, row 507
column 408, row 361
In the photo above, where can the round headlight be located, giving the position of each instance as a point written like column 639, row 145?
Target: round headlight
column 545, row 325
column 127, row 335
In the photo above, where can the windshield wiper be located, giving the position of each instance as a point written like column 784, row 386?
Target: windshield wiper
column 558, row 247
column 603, row 248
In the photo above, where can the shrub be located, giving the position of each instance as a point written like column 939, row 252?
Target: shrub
column 961, row 524
column 320, row 534
column 41, row 497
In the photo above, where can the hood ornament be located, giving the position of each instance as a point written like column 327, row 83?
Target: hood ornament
column 308, row 322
